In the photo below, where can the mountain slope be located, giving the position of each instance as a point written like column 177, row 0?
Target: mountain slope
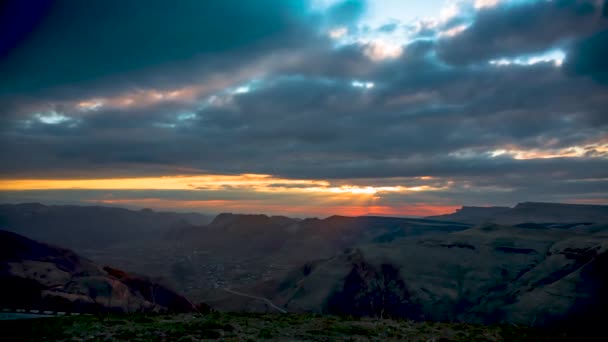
column 237, row 251
column 471, row 214
column 34, row 275
column 82, row 227
column 486, row 274
column 550, row 214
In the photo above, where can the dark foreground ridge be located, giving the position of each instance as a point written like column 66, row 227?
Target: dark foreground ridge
column 254, row 327
column 42, row 277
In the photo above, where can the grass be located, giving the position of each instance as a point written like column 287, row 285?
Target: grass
column 255, row 327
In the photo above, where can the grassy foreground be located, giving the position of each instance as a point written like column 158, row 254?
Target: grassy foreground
column 255, row 327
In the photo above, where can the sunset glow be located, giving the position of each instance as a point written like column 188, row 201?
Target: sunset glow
column 255, row 206
column 313, row 196
column 251, row 182
column 203, row 182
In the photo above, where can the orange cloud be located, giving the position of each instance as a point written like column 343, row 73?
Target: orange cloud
column 145, row 97
column 199, row 182
column 252, row 182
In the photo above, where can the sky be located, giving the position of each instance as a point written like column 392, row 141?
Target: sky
column 304, row 107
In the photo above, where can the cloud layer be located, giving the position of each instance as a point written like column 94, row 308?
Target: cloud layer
column 488, row 113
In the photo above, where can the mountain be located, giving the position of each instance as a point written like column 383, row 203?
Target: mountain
column 237, row 234
column 242, row 250
column 548, row 267
column 548, row 214
column 554, row 213
column 471, row 214
column 486, row 274
column 81, row 227
column 264, row 236
column 230, row 250
column 35, row 275
column 315, row 238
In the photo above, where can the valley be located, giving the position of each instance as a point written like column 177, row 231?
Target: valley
column 547, row 272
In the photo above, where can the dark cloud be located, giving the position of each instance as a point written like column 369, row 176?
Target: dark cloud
column 590, row 57
column 434, row 111
column 297, row 126
column 83, row 42
column 511, row 30
column 347, row 61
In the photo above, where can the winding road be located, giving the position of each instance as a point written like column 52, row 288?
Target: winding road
column 266, row 300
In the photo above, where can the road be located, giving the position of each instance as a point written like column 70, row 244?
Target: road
column 266, row 300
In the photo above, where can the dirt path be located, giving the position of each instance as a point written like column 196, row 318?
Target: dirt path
column 266, row 300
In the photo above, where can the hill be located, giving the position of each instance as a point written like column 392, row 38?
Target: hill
column 488, row 274
column 558, row 215
column 34, row 275
column 471, row 214
column 544, row 273
column 83, row 227
column 241, row 250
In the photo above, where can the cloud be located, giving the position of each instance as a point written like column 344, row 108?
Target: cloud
column 121, row 42
column 388, row 28
column 416, row 123
column 272, row 94
column 346, row 12
column 588, row 57
column 522, row 28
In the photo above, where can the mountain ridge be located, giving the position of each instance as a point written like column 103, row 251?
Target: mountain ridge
column 530, row 212
column 486, row 274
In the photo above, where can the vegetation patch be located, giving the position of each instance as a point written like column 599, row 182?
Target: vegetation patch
column 255, row 327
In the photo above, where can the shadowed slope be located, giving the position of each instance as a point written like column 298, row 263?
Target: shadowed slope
column 34, row 275
column 548, row 214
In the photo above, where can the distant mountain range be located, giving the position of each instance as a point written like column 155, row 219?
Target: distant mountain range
column 530, row 212
column 81, row 227
column 298, row 240
column 97, row 227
